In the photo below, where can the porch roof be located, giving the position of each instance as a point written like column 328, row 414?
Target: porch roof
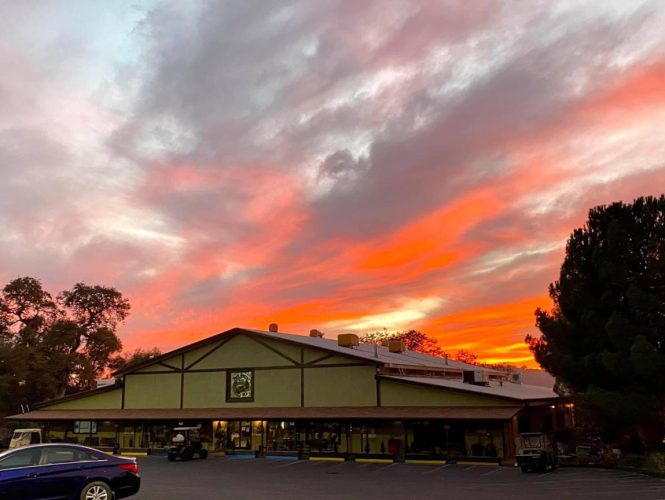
column 293, row 413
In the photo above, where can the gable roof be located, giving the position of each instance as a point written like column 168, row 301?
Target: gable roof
column 365, row 352
column 509, row 390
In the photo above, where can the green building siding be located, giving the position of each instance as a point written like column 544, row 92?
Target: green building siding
column 152, row 391
column 407, row 394
column 110, row 400
column 239, row 352
column 343, row 386
column 204, row 390
column 272, row 388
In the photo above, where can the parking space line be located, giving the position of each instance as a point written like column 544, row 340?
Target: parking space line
column 499, row 469
column 437, row 469
column 386, row 466
column 295, row 462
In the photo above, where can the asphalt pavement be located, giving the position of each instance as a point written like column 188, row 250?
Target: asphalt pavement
column 245, row 479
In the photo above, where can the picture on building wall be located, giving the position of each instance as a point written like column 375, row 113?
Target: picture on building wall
column 240, row 385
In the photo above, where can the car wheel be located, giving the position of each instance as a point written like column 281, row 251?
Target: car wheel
column 203, row 453
column 97, row 490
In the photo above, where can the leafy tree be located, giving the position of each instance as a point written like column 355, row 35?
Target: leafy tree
column 50, row 346
column 466, row 357
column 413, row 340
column 604, row 339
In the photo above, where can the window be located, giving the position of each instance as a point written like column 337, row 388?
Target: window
column 85, row 427
column 240, row 385
column 23, row 458
column 63, row 455
column 57, row 456
column 282, row 436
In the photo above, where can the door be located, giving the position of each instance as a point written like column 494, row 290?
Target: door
column 18, row 474
column 240, row 435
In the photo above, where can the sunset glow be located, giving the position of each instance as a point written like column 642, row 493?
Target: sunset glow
column 341, row 165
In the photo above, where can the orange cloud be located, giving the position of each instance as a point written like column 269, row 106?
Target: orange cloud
column 490, row 332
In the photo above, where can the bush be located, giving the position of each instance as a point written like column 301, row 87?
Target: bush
column 634, row 460
column 656, row 461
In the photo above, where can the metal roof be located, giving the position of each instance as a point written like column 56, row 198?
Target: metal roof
column 383, row 354
column 520, row 392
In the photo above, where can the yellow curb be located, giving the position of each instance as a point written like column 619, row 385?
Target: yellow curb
column 374, row 460
column 426, row 462
column 487, row 464
column 134, row 454
column 326, row 459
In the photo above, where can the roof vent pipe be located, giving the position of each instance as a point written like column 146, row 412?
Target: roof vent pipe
column 272, row 327
column 376, row 351
column 445, row 358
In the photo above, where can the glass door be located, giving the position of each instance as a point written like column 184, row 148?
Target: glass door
column 240, row 435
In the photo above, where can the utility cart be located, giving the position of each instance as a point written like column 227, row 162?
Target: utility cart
column 185, row 443
column 535, row 452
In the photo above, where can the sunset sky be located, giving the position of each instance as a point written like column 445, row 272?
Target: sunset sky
column 335, row 164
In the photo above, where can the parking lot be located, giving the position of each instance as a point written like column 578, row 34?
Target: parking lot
column 236, row 479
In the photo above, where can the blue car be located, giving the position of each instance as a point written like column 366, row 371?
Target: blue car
column 66, row 471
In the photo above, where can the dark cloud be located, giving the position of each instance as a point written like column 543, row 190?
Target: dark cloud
column 339, row 165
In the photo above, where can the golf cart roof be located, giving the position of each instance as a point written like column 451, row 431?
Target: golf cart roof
column 186, row 428
column 27, row 430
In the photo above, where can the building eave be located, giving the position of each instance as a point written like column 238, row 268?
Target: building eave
column 275, row 413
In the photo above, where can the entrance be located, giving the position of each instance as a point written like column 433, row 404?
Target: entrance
column 240, row 435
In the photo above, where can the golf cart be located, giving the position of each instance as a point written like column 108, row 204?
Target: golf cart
column 535, row 452
column 25, row 437
column 186, row 443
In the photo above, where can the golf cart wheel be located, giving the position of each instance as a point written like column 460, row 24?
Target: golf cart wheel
column 171, row 457
column 203, row 453
column 97, row 490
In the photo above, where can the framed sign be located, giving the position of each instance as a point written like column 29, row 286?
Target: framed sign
column 240, row 385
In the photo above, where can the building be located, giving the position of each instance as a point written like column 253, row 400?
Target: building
column 271, row 393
